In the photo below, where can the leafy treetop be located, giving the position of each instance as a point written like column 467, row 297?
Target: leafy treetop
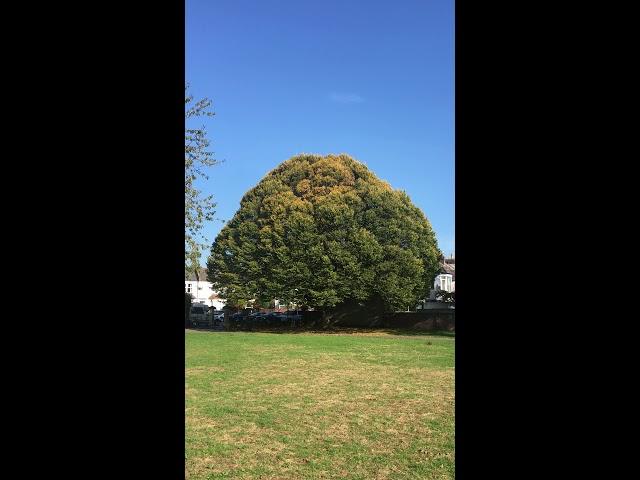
column 321, row 231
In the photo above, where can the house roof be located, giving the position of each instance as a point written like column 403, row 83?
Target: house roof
column 448, row 268
column 203, row 275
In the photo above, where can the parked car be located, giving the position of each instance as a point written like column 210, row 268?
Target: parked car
column 216, row 319
column 234, row 320
column 272, row 318
column 198, row 315
column 294, row 316
column 256, row 318
column 281, row 317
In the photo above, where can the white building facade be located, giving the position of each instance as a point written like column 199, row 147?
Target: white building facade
column 446, row 281
column 202, row 291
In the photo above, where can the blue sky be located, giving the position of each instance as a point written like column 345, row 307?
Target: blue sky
column 373, row 79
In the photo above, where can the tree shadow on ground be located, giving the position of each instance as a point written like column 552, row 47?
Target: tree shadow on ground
column 416, row 333
column 341, row 331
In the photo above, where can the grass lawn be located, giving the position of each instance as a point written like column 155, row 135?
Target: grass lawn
column 311, row 406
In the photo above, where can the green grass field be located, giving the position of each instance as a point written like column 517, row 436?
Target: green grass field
column 312, row 406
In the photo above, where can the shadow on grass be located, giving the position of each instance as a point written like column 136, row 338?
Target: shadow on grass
column 434, row 333
column 340, row 331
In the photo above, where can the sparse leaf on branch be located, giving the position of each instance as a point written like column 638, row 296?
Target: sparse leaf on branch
column 198, row 209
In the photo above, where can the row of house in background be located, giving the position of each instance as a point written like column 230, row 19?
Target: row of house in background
column 445, row 280
column 202, row 292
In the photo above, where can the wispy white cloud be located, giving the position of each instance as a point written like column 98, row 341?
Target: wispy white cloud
column 345, row 98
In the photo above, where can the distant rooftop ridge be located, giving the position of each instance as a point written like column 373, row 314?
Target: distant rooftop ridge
column 202, row 272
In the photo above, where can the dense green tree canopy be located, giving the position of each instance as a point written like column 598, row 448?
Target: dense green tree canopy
column 323, row 231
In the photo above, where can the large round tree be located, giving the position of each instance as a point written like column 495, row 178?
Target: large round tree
column 325, row 232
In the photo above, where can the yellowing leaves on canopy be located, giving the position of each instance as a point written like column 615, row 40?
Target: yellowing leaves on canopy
column 327, row 228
